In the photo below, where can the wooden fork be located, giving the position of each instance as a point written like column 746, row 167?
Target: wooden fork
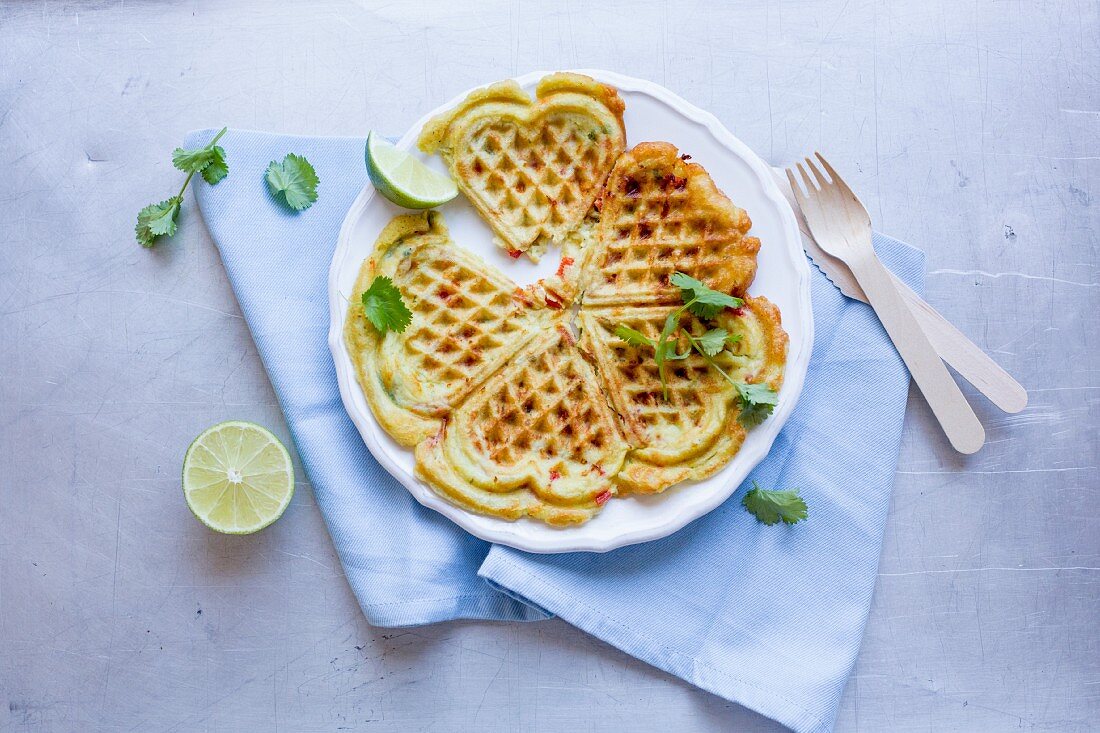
column 842, row 227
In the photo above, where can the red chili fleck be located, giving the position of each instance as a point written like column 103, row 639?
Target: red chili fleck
column 565, row 262
column 603, row 498
column 514, row 254
column 679, row 183
column 685, row 156
column 739, row 311
column 552, row 303
column 554, row 475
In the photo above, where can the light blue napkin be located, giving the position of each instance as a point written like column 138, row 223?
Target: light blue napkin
column 768, row 617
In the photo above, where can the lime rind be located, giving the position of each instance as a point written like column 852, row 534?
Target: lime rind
column 403, row 179
column 264, row 477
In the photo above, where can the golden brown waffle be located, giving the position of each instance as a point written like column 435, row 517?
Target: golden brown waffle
column 659, row 214
column 532, row 168
column 508, row 415
column 537, row 440
column 467, row 321
column 695, row 432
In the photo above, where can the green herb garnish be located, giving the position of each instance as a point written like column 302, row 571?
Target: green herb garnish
column 772, row 506
column 159, row 220
column 757, row 400
column 293, row 181
column 383, row 306
column 701, row 300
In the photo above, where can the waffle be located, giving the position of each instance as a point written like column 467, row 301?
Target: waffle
column 531, row 168
column 659, row 214
column 467, row 321
column 507, row 413
column 695, row 432
column 537, row 440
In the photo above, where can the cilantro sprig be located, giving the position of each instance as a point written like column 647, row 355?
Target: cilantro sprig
column 757, row 400
column 159, row 219
column 383, row 306
column 293, row 181
column 773, row 506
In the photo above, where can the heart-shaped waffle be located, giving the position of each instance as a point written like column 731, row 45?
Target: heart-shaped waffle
column 532, row 168
column 695, row 432
column 538, row 439
column 467, row 320
column 659, row 215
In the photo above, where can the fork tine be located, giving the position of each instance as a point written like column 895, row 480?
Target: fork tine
column 796, row 189
column 810, row 187
column 822, row 182
column 833, row 174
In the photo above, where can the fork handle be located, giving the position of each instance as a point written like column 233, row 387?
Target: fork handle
column 943, row 395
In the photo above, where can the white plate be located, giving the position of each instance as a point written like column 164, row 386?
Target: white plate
column 652, row 113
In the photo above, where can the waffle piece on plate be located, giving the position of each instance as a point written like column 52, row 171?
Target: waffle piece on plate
column 466, row 323
column 538, row 439
column 532, row 168
column 659, row 214
column 696, row 431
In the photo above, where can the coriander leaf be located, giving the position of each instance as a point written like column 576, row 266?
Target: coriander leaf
column 200, row 160
column 293, row 181
column 687, row 285
column 757, row 402
column 771, row 506
column 712, row 341
column 733, row 339
column 218, row 168
column 192, row 161
column 157, row 220
column 709, row 303
column 632, row 337
column 752, row 415
column 383, row 306
column 701, row 300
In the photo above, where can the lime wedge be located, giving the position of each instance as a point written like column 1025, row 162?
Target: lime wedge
column 403, row 179
column 237, row 477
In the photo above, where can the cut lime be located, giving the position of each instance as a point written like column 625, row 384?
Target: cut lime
column 237, row 477
column 403, row 179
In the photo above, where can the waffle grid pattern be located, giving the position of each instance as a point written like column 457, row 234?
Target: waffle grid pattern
column 691, row 381
column 544, row 410
column 659, row 215
column 539, row 180
column 460, row 318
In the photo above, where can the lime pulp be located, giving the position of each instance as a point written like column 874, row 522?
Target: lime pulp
column 403, row 179
column 237, row 477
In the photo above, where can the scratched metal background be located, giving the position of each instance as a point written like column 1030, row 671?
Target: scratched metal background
column 971, row 130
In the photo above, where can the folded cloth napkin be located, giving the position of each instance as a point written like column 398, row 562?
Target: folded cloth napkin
column 768, row 617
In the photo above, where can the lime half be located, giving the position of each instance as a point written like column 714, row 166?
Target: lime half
column 237, row 477
column 403, row 179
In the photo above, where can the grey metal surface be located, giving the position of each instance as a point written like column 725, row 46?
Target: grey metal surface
column 970, row 130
